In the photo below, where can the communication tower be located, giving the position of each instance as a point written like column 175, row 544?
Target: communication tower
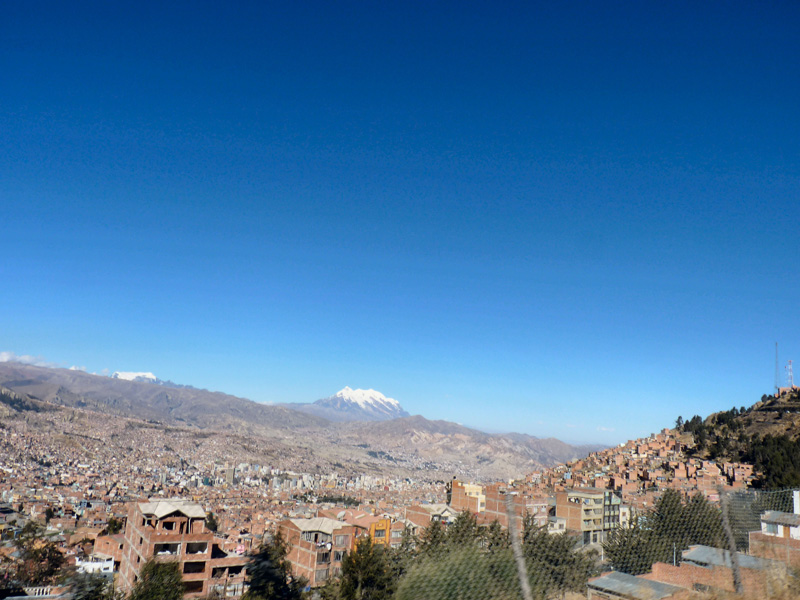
column 777, row 371
column 789, row 376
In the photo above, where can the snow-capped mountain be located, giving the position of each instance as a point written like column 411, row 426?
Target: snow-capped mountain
column 131, row 376
column 354, row 405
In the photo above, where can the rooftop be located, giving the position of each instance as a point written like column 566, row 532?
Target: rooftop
column 706, row 556
column 628, row 586
column 162, row 508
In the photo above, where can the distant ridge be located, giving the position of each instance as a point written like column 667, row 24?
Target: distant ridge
column 412, row 447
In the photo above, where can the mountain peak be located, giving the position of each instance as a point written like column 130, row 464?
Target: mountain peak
column 354, row 405
column 366, row 398
column 131, row 376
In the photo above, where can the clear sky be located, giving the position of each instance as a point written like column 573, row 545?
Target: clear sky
column 569, row 219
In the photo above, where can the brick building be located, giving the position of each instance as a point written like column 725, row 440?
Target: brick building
column 175, row 530
column 317, row 546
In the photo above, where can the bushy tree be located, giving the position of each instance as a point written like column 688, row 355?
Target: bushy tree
column 433, row 539
column 400, row 558
column 366, row 573
column 158, row 581
column 115, row 525
column 91, row 586
column 496, row 538
column 270, row 573
column 664, row 533
column 211, row 522
column 465, row 573
column 463, row 530
column 40, row 561
column 552, row 561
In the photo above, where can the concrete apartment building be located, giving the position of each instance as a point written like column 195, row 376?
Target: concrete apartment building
column 317, row 546
column 175, row 530
column 591, row 512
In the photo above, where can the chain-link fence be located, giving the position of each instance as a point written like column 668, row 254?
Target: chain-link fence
column 717, row 545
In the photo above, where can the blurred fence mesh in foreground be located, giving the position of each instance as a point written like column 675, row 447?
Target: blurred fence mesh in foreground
column 683, row 547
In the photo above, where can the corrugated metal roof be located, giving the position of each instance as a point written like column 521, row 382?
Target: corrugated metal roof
column 637, row 588
column 781, row 518
column 706, row 556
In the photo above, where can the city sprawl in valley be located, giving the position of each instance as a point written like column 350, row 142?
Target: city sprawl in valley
column 109, row 491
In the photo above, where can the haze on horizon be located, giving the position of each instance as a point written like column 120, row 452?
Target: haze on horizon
column 574, row 221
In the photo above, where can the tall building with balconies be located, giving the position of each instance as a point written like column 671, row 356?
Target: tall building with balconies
column 592, row 512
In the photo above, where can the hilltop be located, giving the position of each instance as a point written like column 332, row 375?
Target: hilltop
column 766, row 435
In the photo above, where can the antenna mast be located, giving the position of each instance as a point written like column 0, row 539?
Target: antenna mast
column 777, row 376
column 789, row 376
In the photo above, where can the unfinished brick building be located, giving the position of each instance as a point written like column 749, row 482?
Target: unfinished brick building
column 175, row 530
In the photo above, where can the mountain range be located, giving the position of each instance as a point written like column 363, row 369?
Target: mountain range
column 323, row 434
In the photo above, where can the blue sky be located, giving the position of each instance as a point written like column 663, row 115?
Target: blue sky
column 566, row 219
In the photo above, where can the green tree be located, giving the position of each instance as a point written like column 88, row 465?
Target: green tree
column 553, row 564
column 366, row 573
column 496, row 538
column 463, row 530
column 158, row 581
column 664, row 533
column 433, row 538
column 270, row 573
column 40, row 561
column 403, row 556
column 463, row 573
column 331, row 590
column 632, row 550
column 703, row 523
column 91, row 586
column 114, row 525
column 211, row 522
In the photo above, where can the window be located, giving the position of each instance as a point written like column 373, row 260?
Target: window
column 192, row 587
column 338, row 555
column 168, row 525
column 165, row 549
column 194, row 567
column 342, row 540
column 380, row 534
column 323, row 558
column 322, row 575
column 397, row 534
column 196, row 547
column 771, row 528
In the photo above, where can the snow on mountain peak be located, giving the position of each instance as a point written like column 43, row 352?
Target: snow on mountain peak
column 366, row 398
column 131, row 376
